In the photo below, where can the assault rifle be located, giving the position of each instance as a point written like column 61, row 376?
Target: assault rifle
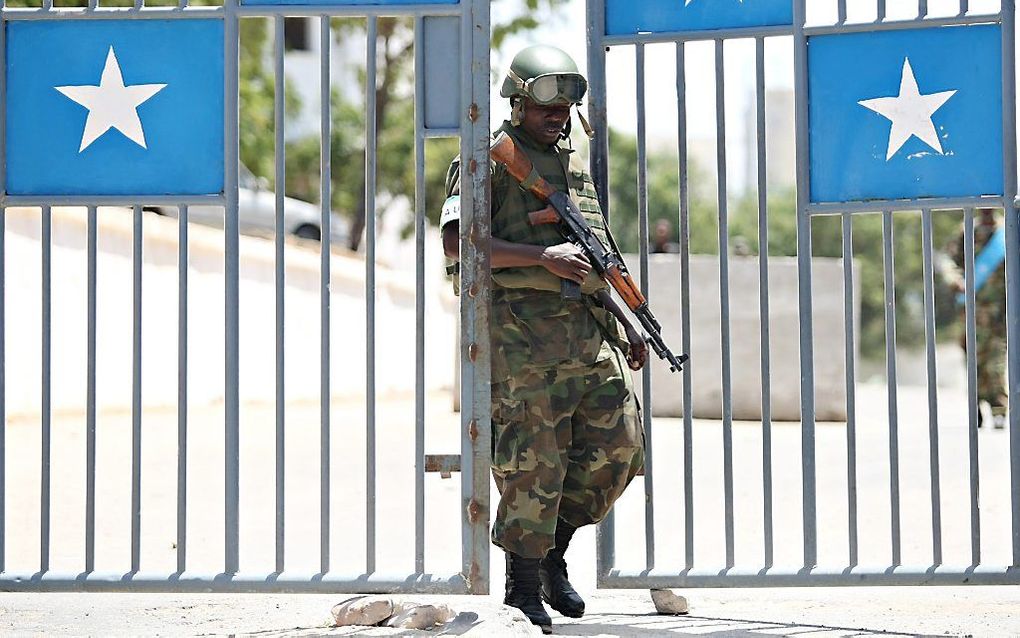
column 607, row 263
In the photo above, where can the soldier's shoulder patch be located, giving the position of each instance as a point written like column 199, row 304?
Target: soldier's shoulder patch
column 451, row 210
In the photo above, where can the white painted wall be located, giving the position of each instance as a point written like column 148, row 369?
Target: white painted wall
column 705, row 365
column 395, row 316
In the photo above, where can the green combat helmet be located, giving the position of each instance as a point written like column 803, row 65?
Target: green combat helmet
column 545, row 75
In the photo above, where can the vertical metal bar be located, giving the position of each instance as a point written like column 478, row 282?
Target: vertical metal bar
column 888, row 260
column 763, row 302
column 419, row 295
column 281, row 288
column 972, row 399
column 599, row 164
column 47, row 408
column 3, row 349
column 475, row 361
column 325, row 276
column 642, row 192
column 880, row 11
column 91, row 250
column 850, row 357
column 47, row 5
column 136, row 390
column 1009, row 162
column 724, row 297
column 370, row 174
column 136, row 393
column 964, row 7
column 685, row 303
column 807, row 385
column 182, row 388
column 3, row 302
column 231, row 274
column 922, row 8
column 933, row 416
column 841, row 11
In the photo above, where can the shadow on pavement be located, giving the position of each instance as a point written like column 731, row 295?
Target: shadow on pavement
column 656, row 625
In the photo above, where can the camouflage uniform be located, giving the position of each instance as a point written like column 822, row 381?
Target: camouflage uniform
column 990, row 319
column 566, row 437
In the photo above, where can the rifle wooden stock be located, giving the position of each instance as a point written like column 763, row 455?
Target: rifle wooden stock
column 547, row 215
column 623, row 284
column 504, row 151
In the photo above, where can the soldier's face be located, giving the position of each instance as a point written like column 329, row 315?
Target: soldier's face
column 545, row 122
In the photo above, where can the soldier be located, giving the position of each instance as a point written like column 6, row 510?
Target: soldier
column 565, row 429
column 989, row 314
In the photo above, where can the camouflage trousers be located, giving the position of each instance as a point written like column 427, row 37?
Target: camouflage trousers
column 567, row 440
column 991, row 370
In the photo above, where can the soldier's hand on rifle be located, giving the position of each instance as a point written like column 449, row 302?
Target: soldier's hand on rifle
column 638, row 354
column 566, row 261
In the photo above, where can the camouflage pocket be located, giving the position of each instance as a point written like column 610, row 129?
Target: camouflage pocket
column 507, row 417
column 549, row 327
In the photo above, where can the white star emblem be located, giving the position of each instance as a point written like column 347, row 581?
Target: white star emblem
column 111, row 104
column 910, row 113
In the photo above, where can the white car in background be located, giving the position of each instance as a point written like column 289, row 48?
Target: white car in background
column 256, row 206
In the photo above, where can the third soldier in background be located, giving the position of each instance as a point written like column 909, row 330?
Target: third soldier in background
column 566, row 437
column 989, row 311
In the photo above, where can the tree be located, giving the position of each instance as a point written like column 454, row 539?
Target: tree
column 394, row 113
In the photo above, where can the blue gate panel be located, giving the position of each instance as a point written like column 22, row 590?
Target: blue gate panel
column 346, row 2
column 624, row 17
column 906, row 114
column 117, row 107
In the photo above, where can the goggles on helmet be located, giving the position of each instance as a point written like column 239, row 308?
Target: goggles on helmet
column 550, row 88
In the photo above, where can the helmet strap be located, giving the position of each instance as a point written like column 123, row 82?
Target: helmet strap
column 517, row 111
column 584, row 124
column 565, row 133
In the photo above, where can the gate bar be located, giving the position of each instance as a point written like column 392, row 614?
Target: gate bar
column 91, row 241
column 280, row 274
column 874, row 206
column 231, row 276
column 814, row 577
column 208, row 582
column 370, row 175
column 475, row 359
column 1012, row 258
column 685, row 304
column 888, row 260
column 354, row 11
column 646, row 394
column 136, row 393
column 804, row 257
column 932, row 378
column 419, row 296
column 763, row 301
column 964, row 7
column 724, row 297
column 3, row 343
column 850, row 357
column 972, row 398
column 182, row 387
column 46, row 387
column 325, row 275
column 112, row 13
column 880, row 15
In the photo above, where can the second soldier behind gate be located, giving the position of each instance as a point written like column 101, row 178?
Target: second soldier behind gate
column 567, row 439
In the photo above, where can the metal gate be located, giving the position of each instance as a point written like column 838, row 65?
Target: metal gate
column 447, row 35
column 615, row 24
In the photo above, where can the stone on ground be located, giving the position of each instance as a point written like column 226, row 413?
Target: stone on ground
column 668, row 602
column 362, row 610
column 411, row 615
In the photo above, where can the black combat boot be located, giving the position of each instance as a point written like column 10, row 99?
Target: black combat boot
column 556, row 589
column 522, row 587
